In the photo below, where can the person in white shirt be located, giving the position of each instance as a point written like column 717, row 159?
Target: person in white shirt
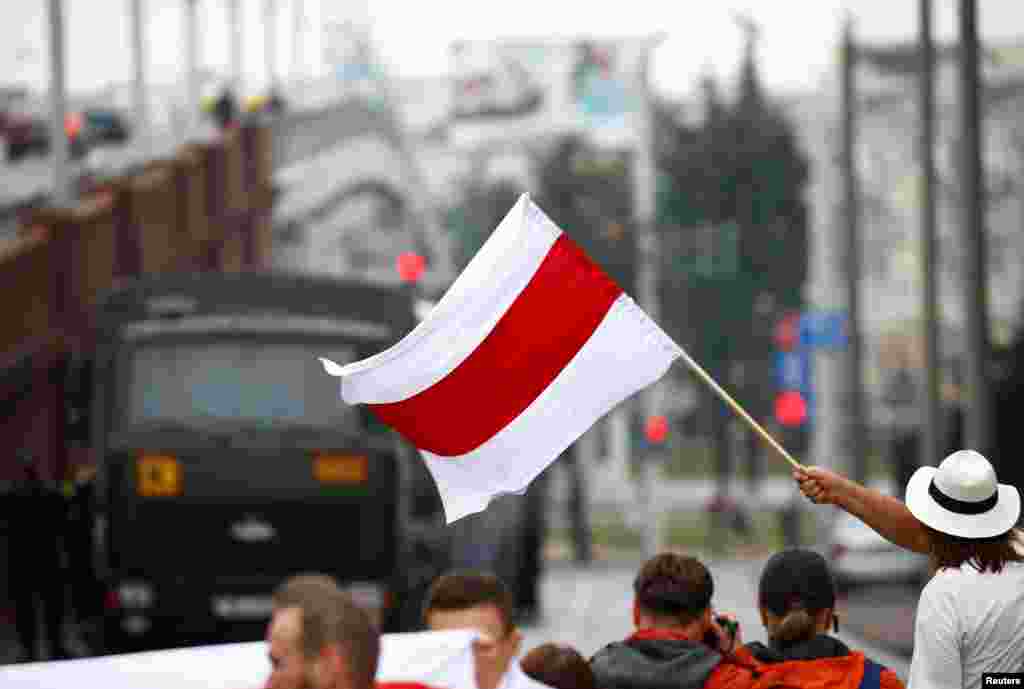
column 970, row 617
column 481, row 602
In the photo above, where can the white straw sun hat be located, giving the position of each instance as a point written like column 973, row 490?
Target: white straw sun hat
column 961, row 497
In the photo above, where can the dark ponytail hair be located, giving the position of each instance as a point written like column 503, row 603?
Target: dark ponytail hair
column 795, row 585
column 796, row 626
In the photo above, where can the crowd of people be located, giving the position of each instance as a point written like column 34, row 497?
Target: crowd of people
column 970, row 618
column 319, row 639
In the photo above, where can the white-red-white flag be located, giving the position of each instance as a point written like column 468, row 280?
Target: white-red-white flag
column 528, row 348
column 419, row 660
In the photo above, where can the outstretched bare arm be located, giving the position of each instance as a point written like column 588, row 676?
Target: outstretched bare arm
column 885, row 514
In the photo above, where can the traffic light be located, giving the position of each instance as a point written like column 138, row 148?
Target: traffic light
column 656, row 429
column 794, row 396
column 790, row 408
column 410, row 266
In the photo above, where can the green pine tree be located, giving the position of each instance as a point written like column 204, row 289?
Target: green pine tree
column 588, row 194
column 733, row 227
column 479, row 209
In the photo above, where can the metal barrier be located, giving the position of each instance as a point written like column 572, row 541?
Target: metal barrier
column 207, row 207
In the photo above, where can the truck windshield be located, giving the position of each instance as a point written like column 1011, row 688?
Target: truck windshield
column 251, row 383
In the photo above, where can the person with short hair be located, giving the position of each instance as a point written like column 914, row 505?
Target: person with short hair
column 558, row 666
column 797, row 601
column 679, row 641
column 970, row 617
column 481, row 602
column 318, row 638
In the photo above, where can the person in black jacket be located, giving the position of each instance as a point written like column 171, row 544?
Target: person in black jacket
column 679, row 643
column 37, row 518
column 86, row 589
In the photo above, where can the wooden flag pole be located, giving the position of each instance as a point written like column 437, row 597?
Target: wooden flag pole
column 710, row 382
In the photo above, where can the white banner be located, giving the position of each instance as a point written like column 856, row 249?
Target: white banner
column 437, row 659
column 508, row 92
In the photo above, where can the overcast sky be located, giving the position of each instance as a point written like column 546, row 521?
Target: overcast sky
column 413, row 37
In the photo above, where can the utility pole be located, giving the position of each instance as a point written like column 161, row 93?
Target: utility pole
column 644, row 172
column 236, row 43
column 270, row 43
column 298, row 28
column 977, row 410
column 138, row 29
column 192, row 62
column 59, row 144
column 857, row 428
column 932, row 447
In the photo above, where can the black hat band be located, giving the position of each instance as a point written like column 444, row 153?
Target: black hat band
column 962, row 506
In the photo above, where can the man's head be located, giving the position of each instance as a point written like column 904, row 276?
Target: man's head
column 673, row 592
column 469, row 600
column 558, row 666
column 319, row 639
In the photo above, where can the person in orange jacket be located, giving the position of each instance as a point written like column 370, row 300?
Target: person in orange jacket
column 797, row 599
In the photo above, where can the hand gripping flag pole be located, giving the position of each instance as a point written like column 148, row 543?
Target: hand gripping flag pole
column 529, row 347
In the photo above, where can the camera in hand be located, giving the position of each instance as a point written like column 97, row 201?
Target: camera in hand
column 730, row 627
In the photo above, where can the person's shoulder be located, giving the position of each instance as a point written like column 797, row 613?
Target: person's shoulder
column 738, row 669
column 888, row 679
column 943, row 590
column 608, row 649
column 606, row 655
column 827, row 671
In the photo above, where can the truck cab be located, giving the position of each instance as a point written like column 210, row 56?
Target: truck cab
column 228, row 462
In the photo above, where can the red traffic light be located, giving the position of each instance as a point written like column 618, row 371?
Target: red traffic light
column 656, row 429
column 410, row 266
column 787, row 332
column 790, row 408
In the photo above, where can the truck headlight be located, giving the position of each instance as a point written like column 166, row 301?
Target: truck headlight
column 135, row 594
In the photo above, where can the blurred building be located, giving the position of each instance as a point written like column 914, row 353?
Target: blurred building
column 890, row 183
column 887, row 160
column 360, row 196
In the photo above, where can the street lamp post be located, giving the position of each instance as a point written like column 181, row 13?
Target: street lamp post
column 192, row 61
column 298, row 31
column 978, row 408
column 931, row 449
column 236, row 42
column 58, row 105
column 644, row 201
column 138, row 13
column 857, row 427
column 270, row 43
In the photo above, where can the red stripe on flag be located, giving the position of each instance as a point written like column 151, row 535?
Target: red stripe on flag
column 550, row 320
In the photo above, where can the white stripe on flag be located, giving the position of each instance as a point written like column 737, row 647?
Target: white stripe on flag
column 463, row 317
column 626, row 353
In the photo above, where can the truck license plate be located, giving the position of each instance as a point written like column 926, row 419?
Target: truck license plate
column 242, row 607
